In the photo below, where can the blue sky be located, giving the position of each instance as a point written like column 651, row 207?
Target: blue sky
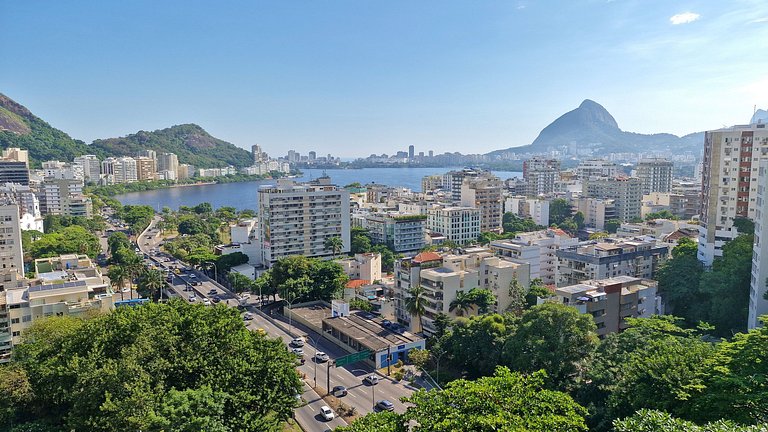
column 357, row 77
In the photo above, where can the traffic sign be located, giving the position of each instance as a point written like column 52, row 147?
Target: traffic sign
column 352, row 358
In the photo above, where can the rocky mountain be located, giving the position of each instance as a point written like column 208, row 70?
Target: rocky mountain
column 592, row 127
column 191, row 143
column 20, row 128
column 760, row 115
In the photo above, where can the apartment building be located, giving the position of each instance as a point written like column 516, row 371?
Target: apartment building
column 538, row 249
column 529, row 208
column 11, row 271
column 186, row 171
column 484, row 193
column 453, row 181
column 729, row 184
column 596, row 211
column 298, row 218
column 655, row 175
column 611, row 301
column 168, row 162
column 460, row 225
column 596, row 168
column 90, row 165
column 540, row 176
column 758, row 304
column 16, row 154
column 626, row 193
column 431, row 183
column 119, row 170
column 401, row 232
column 609, row 258
column 61, row 170
column 364, row 266
column 145, row 168
column 12, row 171
column 444, row 276
column 64, row 197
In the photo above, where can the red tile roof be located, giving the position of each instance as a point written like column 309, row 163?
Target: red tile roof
column 426, row 256
column 357, row 283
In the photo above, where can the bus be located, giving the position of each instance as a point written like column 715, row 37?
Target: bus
column 131, row 302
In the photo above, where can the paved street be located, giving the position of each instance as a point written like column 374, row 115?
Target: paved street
column 361, row 396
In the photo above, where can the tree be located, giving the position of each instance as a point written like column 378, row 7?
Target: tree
column 511, row 223
column 517, row 403
column 416, row 303
column 535, row 292
column 118, row 240
column 361, row 243
column 474, row 344
column 461, row 304
column 482, row 298
column 239, row 282
column 441, row 323
column 679, row 282
column 72, row 239
column 612, row 225
column 516, row 297
column 654, row 421
column 203, row 208
column 224, row 263
column 559, row 210
column 335, row 244
column 384, row 421
column 360, row 304
column 598, row 235
column 419, row 357
column 156, row 367
column 151, row 284
column 117, row 277
column 664, row 214
column 553, row 337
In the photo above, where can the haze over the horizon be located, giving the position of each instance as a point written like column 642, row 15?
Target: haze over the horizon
column 355, row 78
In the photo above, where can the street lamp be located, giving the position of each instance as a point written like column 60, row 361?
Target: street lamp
column 315, row 359
column 215, row 270
column 290, row 314
column 438, row 367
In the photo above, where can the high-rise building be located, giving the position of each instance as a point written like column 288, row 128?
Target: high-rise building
column 596, row 168
column 400, row 232
column 484, row 193
column 431, row 153
column 411, row 152
column 64, row 197
column 460, row 225
column 626, row 192
column 11, row 272
column 758, row 303
column 185, row 171
column 453, row 180
column 431, row 183
column 312, row 156
column 12, row 171
column 145, row 168
column 90, row 166
column 729, row 184
column 538, row 249
column 168, row 162
column 298, row 219
column 16, row 154
column 655, row 175
column 119, row 170
column 148, row 153
column 540, row 176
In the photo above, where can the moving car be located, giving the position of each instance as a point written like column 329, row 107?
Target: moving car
column 321, row 357
column 206, row 302
column 385, row 405
column 371, row 379
column 297, row 342
column 192, row 298
column 327, row 413
column 298, row 351
column 248, row 316
column 339, row 391
column 216, row 299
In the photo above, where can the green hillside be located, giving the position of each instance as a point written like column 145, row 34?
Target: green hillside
column 190, row 142
column 20, row 128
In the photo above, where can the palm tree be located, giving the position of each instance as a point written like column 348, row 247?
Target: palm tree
column 117, row 277
column 152, row 282
column 416, row 303
column 335, row 244
column 133, row 267
column 461, row 304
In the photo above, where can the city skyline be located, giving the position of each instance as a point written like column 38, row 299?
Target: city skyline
column 360, row 79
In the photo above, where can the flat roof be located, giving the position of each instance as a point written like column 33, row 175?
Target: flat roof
column 364, row 327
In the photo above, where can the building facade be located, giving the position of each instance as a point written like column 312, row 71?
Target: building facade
column 758, row 304
column 460, row 225
column 655, row 175
column 402, row 233
column 484, row 193
column 626, row 193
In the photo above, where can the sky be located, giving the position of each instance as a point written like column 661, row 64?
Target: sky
column 352, row 78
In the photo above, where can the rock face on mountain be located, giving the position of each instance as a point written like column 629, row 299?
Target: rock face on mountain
column 760, row 116
column 590, row 127
column 193, row 145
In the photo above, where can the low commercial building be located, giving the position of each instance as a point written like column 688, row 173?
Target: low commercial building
column 358, row 331
column 608, row 258
column 611, row 301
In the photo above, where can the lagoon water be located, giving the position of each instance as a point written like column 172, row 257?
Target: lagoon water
column 244, row 195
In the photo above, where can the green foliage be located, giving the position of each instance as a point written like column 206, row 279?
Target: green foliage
column 656, row 421
column 387, row 257
column 744, row 225
column 335, row 244
column 441, row 323
column 416, row 303
column 664, row 214
column 384, row 421
column 189, row 142
column 301, row 278
column 361, row 241
column 72, row 239
column 555, row 338
column 156, row 367
column 137, row 216
column 116, row 241
column 182, row 247
column 419, row 357
column 360, row 304
column 475, row 344
column 53, row 223
column 536, row 291
column 225, row 262
column 612, row 225
column 559, row 210
column 151, row 283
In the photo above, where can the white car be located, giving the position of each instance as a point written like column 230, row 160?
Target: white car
column 371, row 379
column 327, row 413
column 125, row 290
column 297, row 342
column 192, row 298
column 206, row 302
column 321, row 357
column 298, row 351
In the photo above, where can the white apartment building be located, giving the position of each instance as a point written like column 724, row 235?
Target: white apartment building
column 90, row 167
column 62, row 170
column 168, row 162
column 626, row 193
column 530, row 208
column 596, row 211
column 596, row 168
column 64, row 197
column 758, row 304
column 364, row 266
column 401, row 232
column 484, row 193
column 540, row 176
column 11, row 271
column 729, row 184
column 609, row 258
column 460, row 225
column 443, row 276
column 538, row 249
column 119, row 170
column 655, row 175
column 298, row 218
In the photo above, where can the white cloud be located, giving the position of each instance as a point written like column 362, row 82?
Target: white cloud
column 684, row 18
column 759, row 21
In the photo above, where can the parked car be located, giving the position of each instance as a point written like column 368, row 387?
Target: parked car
column 216, row 299
column 385, row 405
column 371, row 379
column 213, row 291
column 327, row 413
column 339, row 391
column 321, row 357
column 297, row 342
column 206, row 302
column 192, row 298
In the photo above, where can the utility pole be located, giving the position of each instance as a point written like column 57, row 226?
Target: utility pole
column 328, row 378
column 389, row 359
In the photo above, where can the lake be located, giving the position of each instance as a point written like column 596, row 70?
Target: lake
column 244, row 195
